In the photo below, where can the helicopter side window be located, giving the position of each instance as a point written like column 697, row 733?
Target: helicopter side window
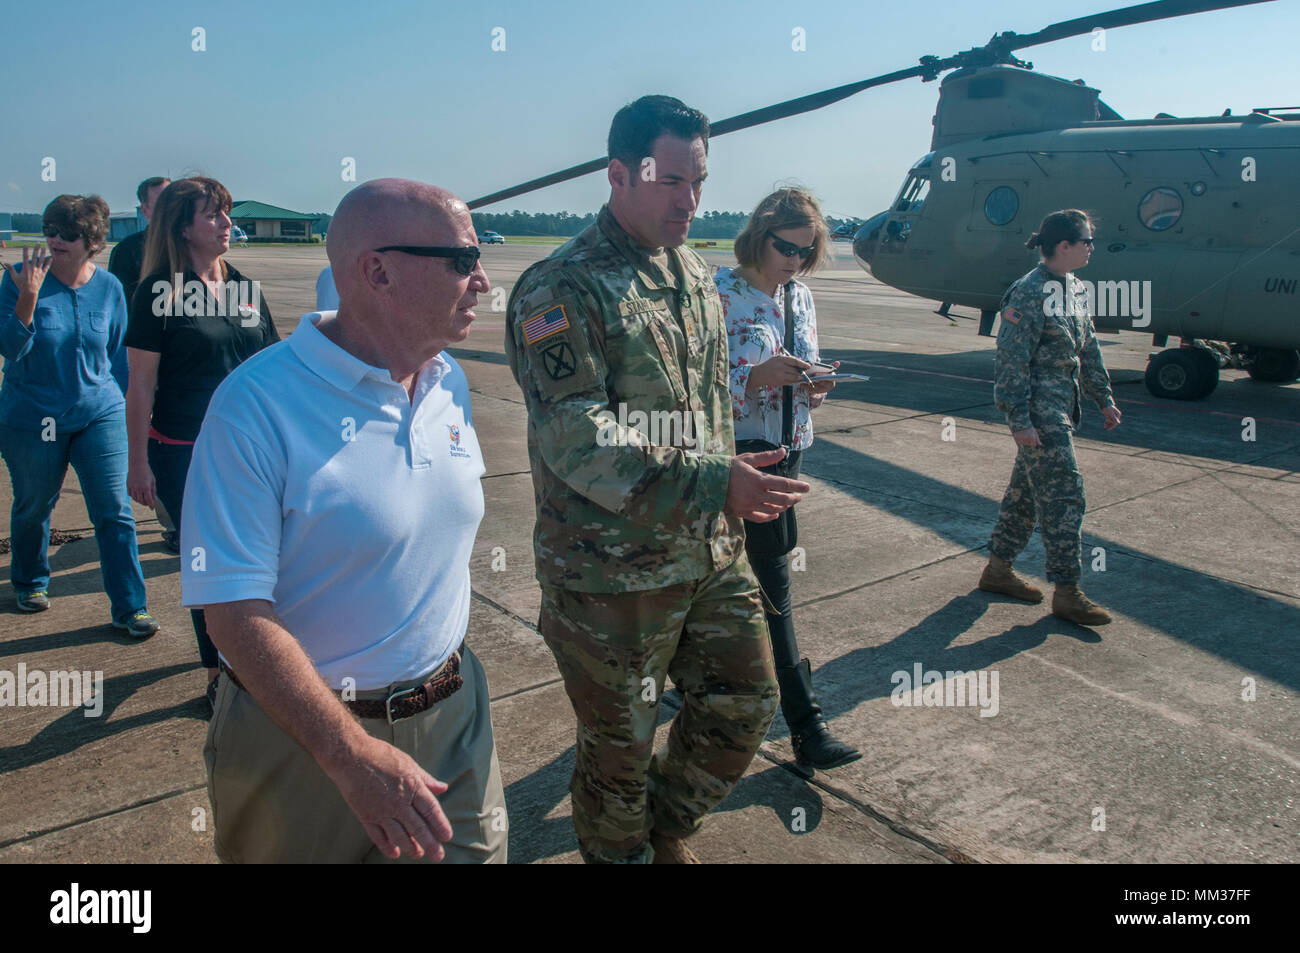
column 912, row 198
column 1160, row 209
column 1001, row 205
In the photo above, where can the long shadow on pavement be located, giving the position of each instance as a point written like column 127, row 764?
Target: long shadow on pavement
column 866, row 673
column 1265, row 644
column 74, row 730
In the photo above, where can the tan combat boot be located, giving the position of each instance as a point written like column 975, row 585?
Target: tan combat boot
column 1069, row 602
column 671, row 850
column 999, row 577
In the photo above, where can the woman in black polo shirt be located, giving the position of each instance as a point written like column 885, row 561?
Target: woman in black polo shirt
column 194, row 319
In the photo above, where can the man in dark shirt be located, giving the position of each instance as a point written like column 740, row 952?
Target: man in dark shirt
column 128, row 254
column 125, row 263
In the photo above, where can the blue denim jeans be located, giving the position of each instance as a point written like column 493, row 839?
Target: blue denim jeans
column 170, row 464
column 37, row 467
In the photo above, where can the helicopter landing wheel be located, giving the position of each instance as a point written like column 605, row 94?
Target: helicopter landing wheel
column 1180, row 374
column 1209, row 370
column 1275, row 365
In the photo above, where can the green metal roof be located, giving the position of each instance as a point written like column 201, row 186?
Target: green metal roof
column 262, row 210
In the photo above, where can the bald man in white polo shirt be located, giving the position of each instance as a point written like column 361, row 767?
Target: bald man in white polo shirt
column 329, row 515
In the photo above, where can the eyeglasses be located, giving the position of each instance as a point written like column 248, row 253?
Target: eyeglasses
column 464, row 258
column 1086, row 241
column 790, row 249
column 49, row 231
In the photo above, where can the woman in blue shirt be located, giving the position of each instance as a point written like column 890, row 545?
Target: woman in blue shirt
column 62, row 319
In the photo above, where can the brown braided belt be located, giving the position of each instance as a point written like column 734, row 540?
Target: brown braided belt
column 442, row 684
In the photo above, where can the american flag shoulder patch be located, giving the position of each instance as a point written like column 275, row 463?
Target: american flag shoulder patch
column 551, row 321
column 1011, row 315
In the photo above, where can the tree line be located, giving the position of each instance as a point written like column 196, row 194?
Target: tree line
column 542, row 224
column 566, row 224
column 31, row 222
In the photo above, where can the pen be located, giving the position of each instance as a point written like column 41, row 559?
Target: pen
column 804, row 374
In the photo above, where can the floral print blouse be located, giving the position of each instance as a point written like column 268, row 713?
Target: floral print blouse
column 755, row 331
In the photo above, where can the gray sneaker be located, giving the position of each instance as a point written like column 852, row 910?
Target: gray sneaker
column 140, row 626
column 37, row 601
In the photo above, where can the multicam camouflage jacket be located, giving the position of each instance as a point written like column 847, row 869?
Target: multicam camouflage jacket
column 621, row 353
column 1046, row 338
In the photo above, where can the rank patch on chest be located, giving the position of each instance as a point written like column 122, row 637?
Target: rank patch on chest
column 551, row 321
column 559, row 361
column 1011, row 315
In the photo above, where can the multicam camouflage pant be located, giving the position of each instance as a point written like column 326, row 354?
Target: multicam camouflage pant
column 614, row 651
column 1045, row 487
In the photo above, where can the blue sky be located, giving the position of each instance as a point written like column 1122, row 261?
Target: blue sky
column 286, row 89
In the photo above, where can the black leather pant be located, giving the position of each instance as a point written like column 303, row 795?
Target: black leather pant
column 773, row 574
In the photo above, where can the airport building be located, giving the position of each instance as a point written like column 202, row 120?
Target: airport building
column 262, row 221
column 257, row 219
column 122, row 224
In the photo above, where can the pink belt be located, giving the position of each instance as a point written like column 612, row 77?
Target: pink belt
column 155, row 435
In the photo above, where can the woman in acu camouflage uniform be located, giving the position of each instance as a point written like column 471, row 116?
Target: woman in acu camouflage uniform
column 1048, row 354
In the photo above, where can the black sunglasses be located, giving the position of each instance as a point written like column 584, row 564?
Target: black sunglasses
column 464, row 258
column 49, row 231
column 1086, row 241
column 790, row 249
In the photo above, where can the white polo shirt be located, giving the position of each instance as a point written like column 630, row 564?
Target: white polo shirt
column 319, row 485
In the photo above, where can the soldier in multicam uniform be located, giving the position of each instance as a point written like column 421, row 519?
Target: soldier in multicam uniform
column 1046, row 337
column 639, row 540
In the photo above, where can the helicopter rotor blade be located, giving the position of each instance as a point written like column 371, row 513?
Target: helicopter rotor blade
column 1126, row 16
column 803, row 104
column 756, row 117
column 573, row 172
column 999, row 47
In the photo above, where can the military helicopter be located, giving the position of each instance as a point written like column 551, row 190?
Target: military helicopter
column 1196, row 214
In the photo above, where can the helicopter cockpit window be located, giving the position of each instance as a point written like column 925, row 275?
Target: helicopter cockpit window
column 1160, row 209
column 912, row 197
column 1001, row 205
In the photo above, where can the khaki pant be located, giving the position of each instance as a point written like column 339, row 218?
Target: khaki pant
column 272, row 803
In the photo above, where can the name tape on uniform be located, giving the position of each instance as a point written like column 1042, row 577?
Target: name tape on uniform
column 638, row 306
column 551, row 321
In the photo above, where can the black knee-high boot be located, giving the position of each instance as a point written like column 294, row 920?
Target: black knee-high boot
column 814, row 745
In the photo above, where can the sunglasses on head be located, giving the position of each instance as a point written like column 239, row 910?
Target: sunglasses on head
column 464, row 258
column 49, row 231
column 790, row 249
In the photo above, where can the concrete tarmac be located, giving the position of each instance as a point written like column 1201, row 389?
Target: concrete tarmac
column 1169, row 736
